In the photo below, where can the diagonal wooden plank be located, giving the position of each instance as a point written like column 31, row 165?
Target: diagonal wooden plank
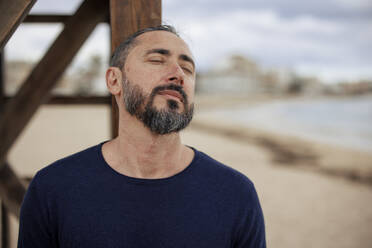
column 126, row 18
column 35, row 90
column 49, row 18
column 32, row 18
column 12, row 14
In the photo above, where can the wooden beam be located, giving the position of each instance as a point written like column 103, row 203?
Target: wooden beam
column 53, row 18
column 127, row 17
column 12, row 14
column 12, row 189
column 2, row 84
column 46, row 18
column 35, row 90
column 4, row 216
column 4, row 226
column 68, row 100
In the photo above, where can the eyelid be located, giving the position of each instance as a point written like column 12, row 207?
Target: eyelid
column 156, row 58
column 188, row 69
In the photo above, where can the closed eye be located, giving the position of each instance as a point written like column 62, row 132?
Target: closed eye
column 156, row 60
column 187, row 70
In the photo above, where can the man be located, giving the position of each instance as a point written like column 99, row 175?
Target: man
column 144, row 188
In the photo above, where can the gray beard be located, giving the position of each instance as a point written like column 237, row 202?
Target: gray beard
column 162, row 121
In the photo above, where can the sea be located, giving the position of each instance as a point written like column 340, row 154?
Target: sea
column 343, row 121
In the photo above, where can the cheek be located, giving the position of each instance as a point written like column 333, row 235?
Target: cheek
column 190, row 92
column 142, row 78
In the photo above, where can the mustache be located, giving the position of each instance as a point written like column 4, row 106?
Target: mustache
column 171, row 86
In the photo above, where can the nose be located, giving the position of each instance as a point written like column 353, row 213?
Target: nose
column 176, row 75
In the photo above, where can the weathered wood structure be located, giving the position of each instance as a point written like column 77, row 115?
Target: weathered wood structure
column 124, row 18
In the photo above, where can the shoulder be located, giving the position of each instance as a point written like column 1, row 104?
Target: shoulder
column 68, row 167
column 233, row 189
column 223, row 175
column 236, row 196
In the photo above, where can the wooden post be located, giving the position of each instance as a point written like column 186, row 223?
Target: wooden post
column 4, row 226
column 2, row 80
column 126, row 17
column 4, row 215
column 12, row 14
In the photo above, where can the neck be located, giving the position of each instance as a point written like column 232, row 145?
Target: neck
column 137, row 152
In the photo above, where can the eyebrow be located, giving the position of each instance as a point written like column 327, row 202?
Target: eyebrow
column 158, row 50
column 167, row 52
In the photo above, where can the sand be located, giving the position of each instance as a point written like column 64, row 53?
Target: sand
column 307, row 197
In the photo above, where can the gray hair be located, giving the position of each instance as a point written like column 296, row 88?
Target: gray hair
column 121, row 52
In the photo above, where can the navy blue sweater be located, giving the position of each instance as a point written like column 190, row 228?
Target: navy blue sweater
column 80, row 201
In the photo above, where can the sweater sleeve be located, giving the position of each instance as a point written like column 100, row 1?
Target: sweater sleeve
column 35, row 228
column 251, row 230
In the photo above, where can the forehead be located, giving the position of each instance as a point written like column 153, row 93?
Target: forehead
column 161, row 39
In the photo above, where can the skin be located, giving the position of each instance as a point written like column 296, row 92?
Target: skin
column 137, row 152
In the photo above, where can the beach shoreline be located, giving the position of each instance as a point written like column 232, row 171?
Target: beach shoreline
column 287, row 149
column 296, row 152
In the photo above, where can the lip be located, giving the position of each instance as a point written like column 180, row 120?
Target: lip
column 172, row 93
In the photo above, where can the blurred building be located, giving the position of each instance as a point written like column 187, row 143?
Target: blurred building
column 235, row 74
column 240, row 75
column 356, row 88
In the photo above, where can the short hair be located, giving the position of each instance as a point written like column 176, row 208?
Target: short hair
column 121, row 52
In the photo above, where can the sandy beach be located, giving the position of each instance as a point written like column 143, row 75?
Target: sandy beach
column 312, row 195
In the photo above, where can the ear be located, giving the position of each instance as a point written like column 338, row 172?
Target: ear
column 114, row 80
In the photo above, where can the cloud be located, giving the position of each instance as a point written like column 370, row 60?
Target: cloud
column 276, row 40
column 286, row 8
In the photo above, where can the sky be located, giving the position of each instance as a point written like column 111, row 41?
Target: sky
column 330, row 39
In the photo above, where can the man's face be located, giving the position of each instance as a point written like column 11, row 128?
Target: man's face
column 159, row 80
